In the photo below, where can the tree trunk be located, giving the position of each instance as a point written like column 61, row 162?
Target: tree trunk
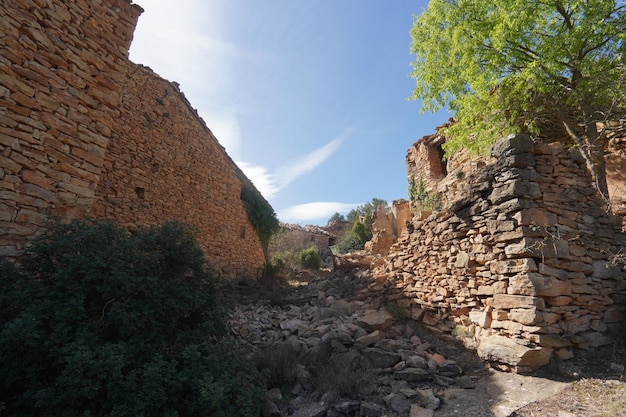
column 596, row 146
column 591, row 148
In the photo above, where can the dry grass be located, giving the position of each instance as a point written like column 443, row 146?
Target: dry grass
column 584, row 398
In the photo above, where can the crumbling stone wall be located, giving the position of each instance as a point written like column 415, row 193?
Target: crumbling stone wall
column 520, row 264
column 387, row 225
column 84, row 131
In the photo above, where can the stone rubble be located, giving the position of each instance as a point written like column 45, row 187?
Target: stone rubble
column 345, row 324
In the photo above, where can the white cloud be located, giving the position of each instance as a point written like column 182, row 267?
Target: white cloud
column 314, row 212
column 269, row 184
column 286, row 174
column 261, row 178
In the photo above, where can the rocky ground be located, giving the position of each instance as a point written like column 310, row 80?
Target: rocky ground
column 334, row 348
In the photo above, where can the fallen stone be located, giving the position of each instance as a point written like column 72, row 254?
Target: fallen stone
column 371, row 410
column 381, row 358
column 449, row 368
column 496, row 348
column 412, row 374
column 416, row 361
column 397, row 402
column 370, row 338
column 375, row 320
column 347, row 407
column 417, row 411
column 310, row 410
column 428, row 399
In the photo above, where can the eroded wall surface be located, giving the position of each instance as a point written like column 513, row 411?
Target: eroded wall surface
column 84, row 131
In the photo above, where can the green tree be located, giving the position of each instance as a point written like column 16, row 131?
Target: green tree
column 98, row 322
column 336, row 217
column 365, row 211
column 513, row 65
column 362, row 232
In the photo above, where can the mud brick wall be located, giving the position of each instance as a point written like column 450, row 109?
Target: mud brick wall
column 519, row 266
column 84, row 131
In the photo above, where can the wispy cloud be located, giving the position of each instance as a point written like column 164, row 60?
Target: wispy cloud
column 270, row 183
column 303, row 165
column 262, row 179
column 314, row 212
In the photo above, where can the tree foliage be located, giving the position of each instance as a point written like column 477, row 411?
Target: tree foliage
column 358, row 229
column 98, row 322
column 507, row 66
column 337, row 217
column 365, row 212
column 310, row 258
column 362, row 232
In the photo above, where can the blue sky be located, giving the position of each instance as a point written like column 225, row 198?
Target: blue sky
column 308, row 97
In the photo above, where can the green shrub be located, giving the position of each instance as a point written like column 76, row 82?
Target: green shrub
column 349, row 243
column 362, row 232
column 273, row 267
column 98, row 322
column 310, row 259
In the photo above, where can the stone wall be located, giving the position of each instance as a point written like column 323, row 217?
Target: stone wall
column 519, row 264
column 84, row 131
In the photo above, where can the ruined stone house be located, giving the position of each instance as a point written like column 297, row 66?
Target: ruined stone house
column 519, row 264
column 86, row 132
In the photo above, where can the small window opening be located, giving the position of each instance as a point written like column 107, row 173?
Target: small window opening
column 242, row 232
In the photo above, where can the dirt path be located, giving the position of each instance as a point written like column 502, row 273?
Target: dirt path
column 497, row 395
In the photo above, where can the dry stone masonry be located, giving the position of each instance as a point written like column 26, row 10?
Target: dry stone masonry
column 519, row 266
column 84, row 131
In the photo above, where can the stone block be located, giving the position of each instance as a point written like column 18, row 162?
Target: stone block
column 554, row 272
column 375, row 320
column 535, row 216
column 502, row 349
column 513, row 144
column 509, row 301
column 559, row 300
column 551, row 286
column 481, row 318
column 525, row 316
column 524, row 284
column 513, row 266
column 512, row 190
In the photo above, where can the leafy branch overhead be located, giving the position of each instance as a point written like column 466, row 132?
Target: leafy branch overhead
column 510, row 66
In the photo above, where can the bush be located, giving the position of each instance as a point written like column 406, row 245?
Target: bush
column 98, row 322
column 362, row 232
column 310, row 259
column 350, row 243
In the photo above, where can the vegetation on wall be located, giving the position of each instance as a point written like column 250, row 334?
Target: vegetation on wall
column 260, row 213
column 421, row 198
column 509, row 66
column 96, row 321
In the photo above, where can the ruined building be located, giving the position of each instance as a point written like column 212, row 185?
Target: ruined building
column 523, row 260
column 86, row 132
